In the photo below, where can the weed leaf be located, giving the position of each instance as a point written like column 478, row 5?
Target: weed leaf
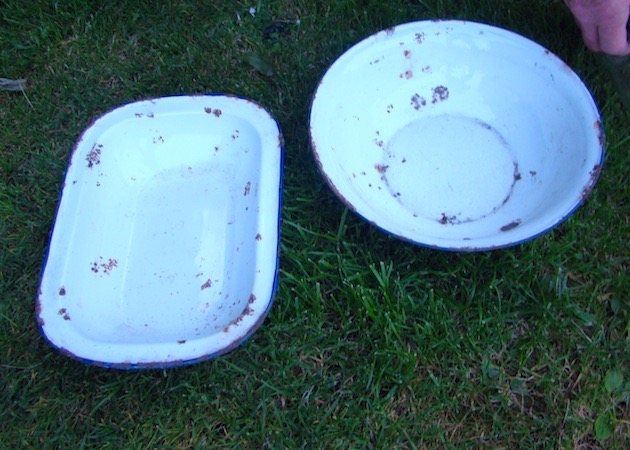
column 604, row 425
column 258, row 62
column 489, row 370
column 613, row 380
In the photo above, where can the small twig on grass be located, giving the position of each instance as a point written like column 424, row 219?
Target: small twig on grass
column 15, row 85
column 12, row 85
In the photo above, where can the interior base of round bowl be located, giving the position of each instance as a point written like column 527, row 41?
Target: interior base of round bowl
column 465, row 176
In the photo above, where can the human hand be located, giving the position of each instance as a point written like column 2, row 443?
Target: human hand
column 603, row 24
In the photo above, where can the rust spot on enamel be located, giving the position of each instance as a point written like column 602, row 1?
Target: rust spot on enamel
column 207, row 284
column 511, row 225
column 94, row 156
column 247, row 311
column 380, row 168
column 601, row 135
column 594, row 174
column 440, row 93
column 417, row 101
column 444, row 220
column 107, row 267
column 62, row 291
column 248, row 187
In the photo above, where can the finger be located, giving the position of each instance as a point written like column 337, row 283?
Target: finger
column 590, row 35
column 613, row 40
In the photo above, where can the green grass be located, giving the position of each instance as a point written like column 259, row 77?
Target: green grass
column 372, row 342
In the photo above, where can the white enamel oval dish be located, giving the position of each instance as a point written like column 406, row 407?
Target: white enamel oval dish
column 164, row 250
column 456, row 135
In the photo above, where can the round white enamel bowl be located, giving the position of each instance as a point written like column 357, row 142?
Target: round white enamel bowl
column 456, row 135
